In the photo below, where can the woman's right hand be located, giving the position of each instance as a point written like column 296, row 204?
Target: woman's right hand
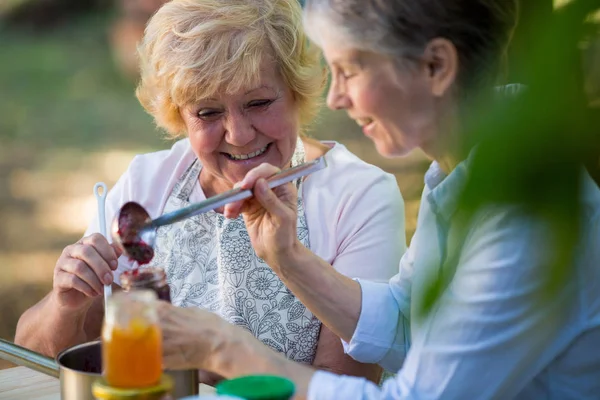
column 270, row 215
column 82, row 270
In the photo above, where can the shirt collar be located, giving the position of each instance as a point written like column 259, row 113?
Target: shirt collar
column 445, row 190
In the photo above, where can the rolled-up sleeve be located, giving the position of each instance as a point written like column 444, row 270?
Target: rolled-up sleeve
column 487, row 337
column 381, row 335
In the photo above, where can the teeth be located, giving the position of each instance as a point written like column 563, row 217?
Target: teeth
column 247, row 156
column 364, row 121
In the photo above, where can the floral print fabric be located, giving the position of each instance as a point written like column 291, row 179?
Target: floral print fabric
column 210, row 263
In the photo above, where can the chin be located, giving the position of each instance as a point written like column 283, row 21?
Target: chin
column 390, row 150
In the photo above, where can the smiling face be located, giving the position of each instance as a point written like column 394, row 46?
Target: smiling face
column 399, row 107
column 394, row 107
column 231, row 133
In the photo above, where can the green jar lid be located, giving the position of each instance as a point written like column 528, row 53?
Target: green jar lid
column 258, row 387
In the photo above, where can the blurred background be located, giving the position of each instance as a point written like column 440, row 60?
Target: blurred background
column 69, row 119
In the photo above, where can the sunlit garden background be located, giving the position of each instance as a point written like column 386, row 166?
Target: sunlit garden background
column 69, row 118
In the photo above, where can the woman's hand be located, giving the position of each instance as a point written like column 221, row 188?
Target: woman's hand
column 191, row 336
column 195, row 338
column 270, row 216
column 82, row 270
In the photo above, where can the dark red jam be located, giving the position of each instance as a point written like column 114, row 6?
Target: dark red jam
column 91, row 366
column 130, row 219
column 139, row 251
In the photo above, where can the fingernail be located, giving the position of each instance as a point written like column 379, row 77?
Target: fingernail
column 238, row 184
column 108, row 279
column 114, row 264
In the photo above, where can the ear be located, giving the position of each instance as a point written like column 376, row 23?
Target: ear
column 441, row 58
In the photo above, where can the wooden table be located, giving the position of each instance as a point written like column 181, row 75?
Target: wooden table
column 22, row 383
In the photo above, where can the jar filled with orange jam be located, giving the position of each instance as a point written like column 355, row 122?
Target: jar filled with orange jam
column 131, row 340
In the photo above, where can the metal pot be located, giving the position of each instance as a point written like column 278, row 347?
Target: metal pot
column 79, row 366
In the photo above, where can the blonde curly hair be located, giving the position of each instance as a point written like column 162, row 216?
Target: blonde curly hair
column 194, row 49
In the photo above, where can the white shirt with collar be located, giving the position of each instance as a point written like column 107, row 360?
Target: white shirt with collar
column 486, row 338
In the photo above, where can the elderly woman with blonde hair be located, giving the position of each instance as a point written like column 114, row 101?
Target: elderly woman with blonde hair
column 239, row 83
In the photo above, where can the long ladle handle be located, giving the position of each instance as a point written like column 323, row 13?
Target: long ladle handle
column 26, row 358
column 100, row 191
column 238, row 194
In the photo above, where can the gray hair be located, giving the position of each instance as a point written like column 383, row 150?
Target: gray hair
column 479, row 29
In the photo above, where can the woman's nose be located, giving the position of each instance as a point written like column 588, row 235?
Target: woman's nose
column 239, row 130
column 337, row 99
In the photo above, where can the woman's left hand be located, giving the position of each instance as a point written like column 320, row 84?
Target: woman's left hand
column 190, row 336
column 197, row 339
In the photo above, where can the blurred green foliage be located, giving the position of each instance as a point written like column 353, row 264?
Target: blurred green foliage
column 60, row 89
column 531, row 149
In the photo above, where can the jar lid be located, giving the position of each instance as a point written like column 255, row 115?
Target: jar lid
column 257, row 387
column 102, row 391
column 210, row 397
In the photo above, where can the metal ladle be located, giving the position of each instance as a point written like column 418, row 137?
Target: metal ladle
column 135, row 232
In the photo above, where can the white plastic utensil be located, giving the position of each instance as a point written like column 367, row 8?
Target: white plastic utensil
column 100, row 192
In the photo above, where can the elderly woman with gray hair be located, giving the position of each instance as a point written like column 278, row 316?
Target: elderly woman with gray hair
column 401, row 69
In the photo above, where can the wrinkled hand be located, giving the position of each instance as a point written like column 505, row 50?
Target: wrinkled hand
column 270, row 215
column 190, row 336
column 198, row 339
column 82, row 270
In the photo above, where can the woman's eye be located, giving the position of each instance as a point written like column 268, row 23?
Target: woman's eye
column 259, row 103
column 205, row 114
column 347, row 75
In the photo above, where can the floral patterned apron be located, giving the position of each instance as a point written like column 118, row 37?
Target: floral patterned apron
column 210, row 263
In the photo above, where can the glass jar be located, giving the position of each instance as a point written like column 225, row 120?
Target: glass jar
column 153, row 278
column 131, row 340
column 102, row 391
column 257, row 387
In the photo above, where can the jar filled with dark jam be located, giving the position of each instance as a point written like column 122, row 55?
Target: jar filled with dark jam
column 152, row 278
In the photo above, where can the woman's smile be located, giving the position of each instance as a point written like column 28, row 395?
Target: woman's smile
column 249, row 159
column 239, row 156
column 367, row 127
